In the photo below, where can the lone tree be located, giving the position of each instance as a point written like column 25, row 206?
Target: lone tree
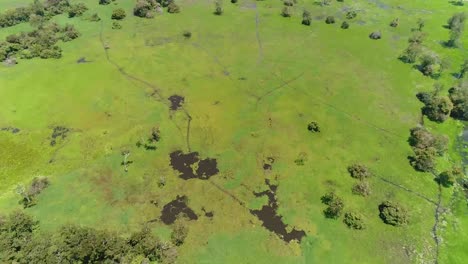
column 335, row 205
column 118, row 14
column 393, row 214
column 344, row 25
column 306, row 18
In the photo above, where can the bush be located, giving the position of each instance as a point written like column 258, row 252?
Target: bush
column 359, row 171
column 288, row 3
column 116, row 25
column 118, row 14
column 77, row 10
column 421, row 138
column 173, row 8
column 306, row 18
column 179, row 233
column 104, row 2
column 313, row 127
column 218, row 8
column 330, row 20
column 412, row 53
column 375, row 35
column 187, row 34
column 395, row 22
column 94, row 18
column 424, row 159
column 459, row 97
column 351, row 14
column 335, row 205
column 430, row 65
column 344, row 25
column 286, row 11
column 354, row 220
column 362, row 188
column 144, row 8
column 438, row 109
column 69, row 33
column 393, row 214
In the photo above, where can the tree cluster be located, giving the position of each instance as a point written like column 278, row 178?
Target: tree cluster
column 41, row 42
column 426, row 147
column 360, row 172
column 45, row 11
column 21, row 241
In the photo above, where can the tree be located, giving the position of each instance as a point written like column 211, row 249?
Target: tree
column 77, row 10
column 313, row 127
column 438, row 109
column 288, row 2
column 354, row 220
column 344, row 25
column 417, row 38
column 330, row 20
column 359, row 171
column 457, row 20
column 104, row 2
column 395, row 22
column 351, row 14
column 456, row 25
column 144, row 8
column 459, row 97
column 447, row 178
column 424, row 159
column 306, row 18
column 412, row 53
column 335, row 205
column 173, row 8
column 421, row 24
column 463, row 69
column 118, row 14
column 393, row 213
column 218, row 7
column 286, row 11
column 430, row 65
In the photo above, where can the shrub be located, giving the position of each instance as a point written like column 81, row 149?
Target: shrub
column 288, row 3
column 94, row 18
column 286, row 11
column 335, row 205
column 77, row 10
column 306, row 18
column 143, row 8
column 351, row 14
column 69, row 33
column 438, row 108
column 344, row 25
column 187, row 34
column 421, row 138
column 359, row 171
column 116, row 25
column 104, row 2
column 459, row 97
column 395, row 22
column 313, row 127
column 446, row 178
column 375, row 35
column 218, row 8
column 233, row 1
column 179, row 233
column 330, row 20
column 118, row 14
column 393, row 214
column 412, row 53
column 354, row 220
column 173, row 8
column 362, row 188
column 418, row 37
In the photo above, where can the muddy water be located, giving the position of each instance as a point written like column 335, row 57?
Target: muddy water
column 185, row 164
column 175, row 208
column 270, row 218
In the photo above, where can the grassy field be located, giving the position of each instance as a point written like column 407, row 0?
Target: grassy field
column 252, row 81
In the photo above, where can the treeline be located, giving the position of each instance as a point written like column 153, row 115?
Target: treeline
column 21, row 241
column 44, row 10
column 41, row 42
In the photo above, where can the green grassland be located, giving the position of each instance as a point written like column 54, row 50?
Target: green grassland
column 252, row 80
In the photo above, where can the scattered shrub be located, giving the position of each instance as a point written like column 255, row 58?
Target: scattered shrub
column 233, row 1
column 335, row 205
column 69, row 33
column 306, row 18
column 359, row 171
column 330, row 20
column 362, row 188
column 104, row 2
column 344, row 25
column 418, row 37
column 218, row 8
column 411, row 54
column 187, row 34
column 288, row 2
column 430, row 65
column 354, row 220
column 393, row 214
column 94, row 18
column 313, row 127
column 144, row 8
column 118, row 14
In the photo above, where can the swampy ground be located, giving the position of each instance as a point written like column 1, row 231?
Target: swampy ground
column 231, row 105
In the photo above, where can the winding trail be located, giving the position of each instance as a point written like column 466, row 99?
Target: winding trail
column 156, row 91
column 409, row 191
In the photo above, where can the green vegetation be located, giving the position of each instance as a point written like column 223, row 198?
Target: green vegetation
column 106, row 124
column 393, row 214
column 335, row 205
column 118, row 14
